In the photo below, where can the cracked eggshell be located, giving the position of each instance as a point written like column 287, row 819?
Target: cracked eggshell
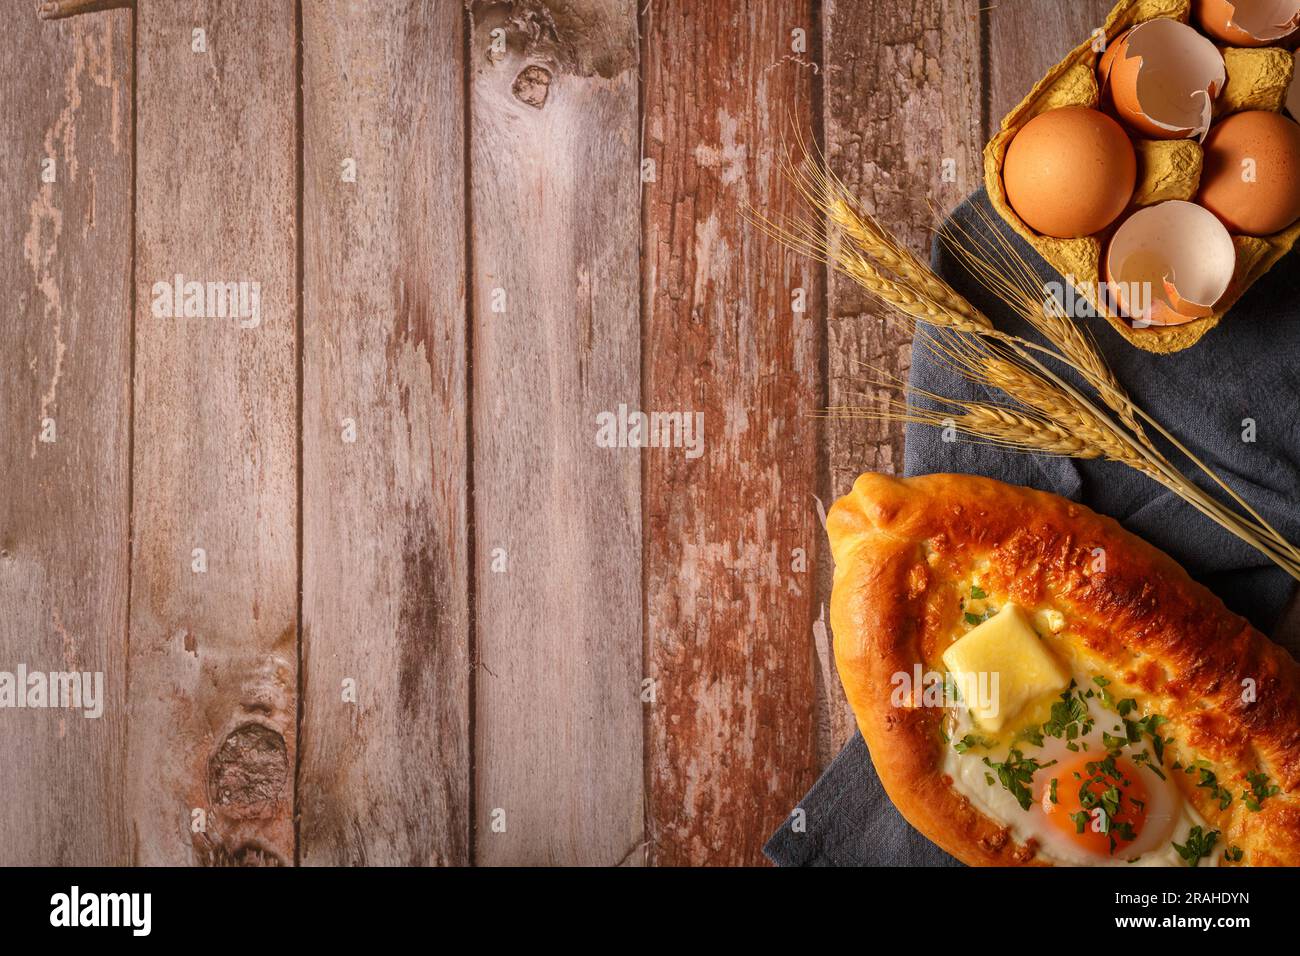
column 1169, row 264
column 1248, row 22
column 1162, row 78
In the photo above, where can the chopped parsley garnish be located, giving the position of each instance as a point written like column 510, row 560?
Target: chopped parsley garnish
column 1122, row 707
column 1260, row 790
column 1031, row 734
column 1233, row 854
column 1124, row 831
column 1144, row 759
column 1052, row 791
column 970, row 741
column 977, row 593
column 1016, row 773
column 1199, row 845
column 1150, row 725
column 1110, row 806
column 1069, row 718
column 1208, row 781
column 1113, row 743
column 972, row 618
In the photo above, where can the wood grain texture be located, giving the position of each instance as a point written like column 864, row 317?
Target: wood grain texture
column 730, row 744
column 384, row 776
column 1028, row 38
column 65, row 340
column 554, row 178
column 497, row 585
column 902, row 128
column 213, row 655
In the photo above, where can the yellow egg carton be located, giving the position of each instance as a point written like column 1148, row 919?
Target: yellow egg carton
column 1258, row 79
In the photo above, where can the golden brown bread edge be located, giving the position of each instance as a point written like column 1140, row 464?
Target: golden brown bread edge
column 1170, row 640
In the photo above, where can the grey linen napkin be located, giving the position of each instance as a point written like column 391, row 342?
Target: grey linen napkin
column 1246, row 368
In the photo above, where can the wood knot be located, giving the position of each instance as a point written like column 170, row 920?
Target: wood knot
column 249, row 769
column 532, row 85
column 247, row 854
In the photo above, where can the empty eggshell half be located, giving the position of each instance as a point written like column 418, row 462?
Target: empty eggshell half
column 1162, row 77
column 1248, row 22
column 1169, row 264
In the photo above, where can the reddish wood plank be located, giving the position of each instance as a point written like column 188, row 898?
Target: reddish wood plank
column 902, row 127
column 384, row 775
column 729, row 615
column 555, row 219
column 65, row 428
column 213, row 654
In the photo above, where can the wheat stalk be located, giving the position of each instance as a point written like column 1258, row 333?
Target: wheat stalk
column 1050, row 414
column 1006, row 273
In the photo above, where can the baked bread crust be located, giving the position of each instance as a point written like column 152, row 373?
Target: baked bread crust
column 900, row 547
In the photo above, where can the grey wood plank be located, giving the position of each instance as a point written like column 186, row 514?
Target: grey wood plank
column 65, row 429
column 555, row 227
column 213, row 652
column 385, row 744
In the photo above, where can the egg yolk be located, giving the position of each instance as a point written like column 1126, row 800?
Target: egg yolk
column 1100, row 802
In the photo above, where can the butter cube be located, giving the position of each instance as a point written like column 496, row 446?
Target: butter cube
column 1002, row 665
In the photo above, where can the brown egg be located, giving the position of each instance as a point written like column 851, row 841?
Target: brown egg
column 1248, row 22
column 1251, row 179
column 1070, row 172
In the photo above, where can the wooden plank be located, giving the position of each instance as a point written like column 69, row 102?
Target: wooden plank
column 729, row 612
column 384, row 775
column 1026, row 39
column 902, row 127
column 213, row 653
column 555, row 221
column 64, row 511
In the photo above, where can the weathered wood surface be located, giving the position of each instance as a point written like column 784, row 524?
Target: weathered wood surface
column 554, row 229
column 384, row 775
column 65, row 267
column 560, row 652
column 1026, row 39
column 731, row 536
column 213, row 685
column 903, row 131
